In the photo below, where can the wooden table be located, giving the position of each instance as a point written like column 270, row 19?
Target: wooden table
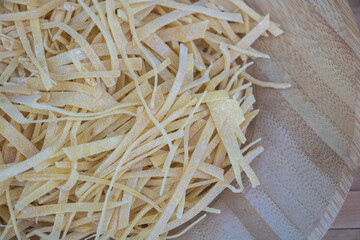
column 347, row 224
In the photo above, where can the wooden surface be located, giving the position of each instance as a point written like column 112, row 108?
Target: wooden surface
column 347, row 223
column 356, row 183
column 309, row 61
column 355, row 5
column 349, row 215
column 346, row 234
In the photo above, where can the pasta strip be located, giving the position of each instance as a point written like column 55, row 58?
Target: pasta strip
column 18, row 140
column 184, row 181
column 211, row 195
column 9, row 70
column 235, row 17
column 92, row 148
column 184, row 33
column 39, row 211
column 47, row 81
column 12, row 214
column 273, row 28
column 265, row 84
column 31, row 14
column 29, row 198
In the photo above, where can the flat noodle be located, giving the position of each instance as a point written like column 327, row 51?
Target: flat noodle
column 212, row 170
column 12, row 214
column 152, row 102
column 100, row 50
column 184, row 181
column 23, row 145
column 184, row 33
column 47, row 81
column 26, row 200
column 244, row 43
column 16, row 89
column 14, row 194
column 76, row 75
column 265, row 84
column 236, row 74
column 32, row 14
column 59, row 218
column 136, row 63
column 161, row 48
column 36, row 177
column 31, row 212
column 119, row 94
column 124, row 215
column 82, row 42
column 30, row 101
column 29, row 163
column 151, row 27
column 151, row 59
column 274, row 29
column 38, row 44
column 34, row 83
column 228, row 136
column 5, row 75
column 81, row 166
column 212, row 194
column 109, row 41
column 176, row 84
column 143, row 102
column 88, row 149
column 187, row 228
column 81, row 100
column 235, row 17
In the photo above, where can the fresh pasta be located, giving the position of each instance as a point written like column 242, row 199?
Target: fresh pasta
column 124, row 119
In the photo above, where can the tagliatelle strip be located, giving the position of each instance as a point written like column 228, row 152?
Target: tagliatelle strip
column 235, row 17
column 184, row 33
column 31, row 212
column 48, row 82
column 123, row 119
column 100, row 50
column 32, row 14
column 273, row 28
column 88, row 149
column 29, row 198
column 9, row 70
column 265, row 84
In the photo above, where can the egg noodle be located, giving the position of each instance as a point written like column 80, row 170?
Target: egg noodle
column 124, row 119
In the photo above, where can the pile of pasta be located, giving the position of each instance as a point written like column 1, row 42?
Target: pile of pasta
column 124, row 119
